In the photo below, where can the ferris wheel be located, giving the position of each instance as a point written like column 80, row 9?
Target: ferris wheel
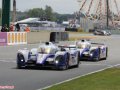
column 98, row 7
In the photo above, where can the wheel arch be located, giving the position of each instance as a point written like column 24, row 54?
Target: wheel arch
column 24, row 53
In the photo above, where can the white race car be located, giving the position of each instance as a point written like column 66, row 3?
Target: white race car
column 92, row 51
column 48, row 55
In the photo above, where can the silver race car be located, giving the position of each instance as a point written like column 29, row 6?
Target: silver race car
column 102, row 32
column 48, row 55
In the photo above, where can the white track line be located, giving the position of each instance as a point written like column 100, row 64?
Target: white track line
column 79, row 77
column 96, row 65
column 7, row 61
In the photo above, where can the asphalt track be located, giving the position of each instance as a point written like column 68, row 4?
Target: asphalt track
column 34, row 78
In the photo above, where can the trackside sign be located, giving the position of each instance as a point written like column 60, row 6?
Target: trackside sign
column 13, row 38
column 3, row 38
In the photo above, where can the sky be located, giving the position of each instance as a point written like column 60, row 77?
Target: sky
column 60, row 6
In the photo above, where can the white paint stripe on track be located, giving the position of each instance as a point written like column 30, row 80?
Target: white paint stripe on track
column 79, row 76
column 97, row 64
column 7, row 61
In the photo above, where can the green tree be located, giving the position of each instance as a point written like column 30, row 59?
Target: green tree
column 62, row 17
column 36, row 12
column 49, row 13
column 46, row 14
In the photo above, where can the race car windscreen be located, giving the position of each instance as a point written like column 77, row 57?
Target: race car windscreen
column 44, row 50
column 82, row 46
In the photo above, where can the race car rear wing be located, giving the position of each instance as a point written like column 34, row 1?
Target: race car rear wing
column 67, row 46
column 98, row 43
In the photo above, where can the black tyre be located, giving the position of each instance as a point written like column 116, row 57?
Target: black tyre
column 20, row 61
column 106, row 53
column 98, row 57
column 66, row 63
column 78, row 60
column 79, row 56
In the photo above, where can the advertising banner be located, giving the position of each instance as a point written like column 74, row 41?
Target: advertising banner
column 3, row 38
column 15, row 38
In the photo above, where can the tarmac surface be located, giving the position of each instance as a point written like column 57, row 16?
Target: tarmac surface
column 34, row 78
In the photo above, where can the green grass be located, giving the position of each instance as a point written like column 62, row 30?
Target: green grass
column 78, row 32
column 105, row 80
column 81, row 37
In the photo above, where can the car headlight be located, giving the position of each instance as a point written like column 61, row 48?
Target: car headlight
column 91, row 54
column 22, row 60
column 56, row 61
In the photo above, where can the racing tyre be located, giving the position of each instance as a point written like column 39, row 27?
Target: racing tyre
column 20, row 61
column 98, row 57
column 66, row 63
column 106, row 53
column 79, row 56
column 78, row 60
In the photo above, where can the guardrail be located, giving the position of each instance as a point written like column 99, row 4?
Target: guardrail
column 16, row 38
column 58, row 36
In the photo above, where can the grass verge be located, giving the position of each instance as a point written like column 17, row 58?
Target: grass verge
column 105, row 80
column 81, row 37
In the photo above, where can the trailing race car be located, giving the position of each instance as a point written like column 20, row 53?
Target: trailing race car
column 101, row 32
column 48, row 55
column 92, row 51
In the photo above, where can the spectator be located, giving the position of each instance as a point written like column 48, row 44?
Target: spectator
column 27, row 29
column 17, row 26
column 11, row 28
column 4, row 28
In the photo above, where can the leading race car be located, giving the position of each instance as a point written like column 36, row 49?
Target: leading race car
column 92, row 51
column 48, row 55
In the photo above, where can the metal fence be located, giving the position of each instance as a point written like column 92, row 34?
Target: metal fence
column 47, row 28
column 116, row 32
column 86, row 24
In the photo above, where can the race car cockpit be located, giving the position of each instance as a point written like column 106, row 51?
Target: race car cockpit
column 83, row 44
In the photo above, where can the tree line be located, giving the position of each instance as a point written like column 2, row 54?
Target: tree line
column 46, row 14
column 43, row 14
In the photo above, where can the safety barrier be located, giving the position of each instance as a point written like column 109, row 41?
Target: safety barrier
column 14, row 38
column 58, row 36
column 71, row 29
